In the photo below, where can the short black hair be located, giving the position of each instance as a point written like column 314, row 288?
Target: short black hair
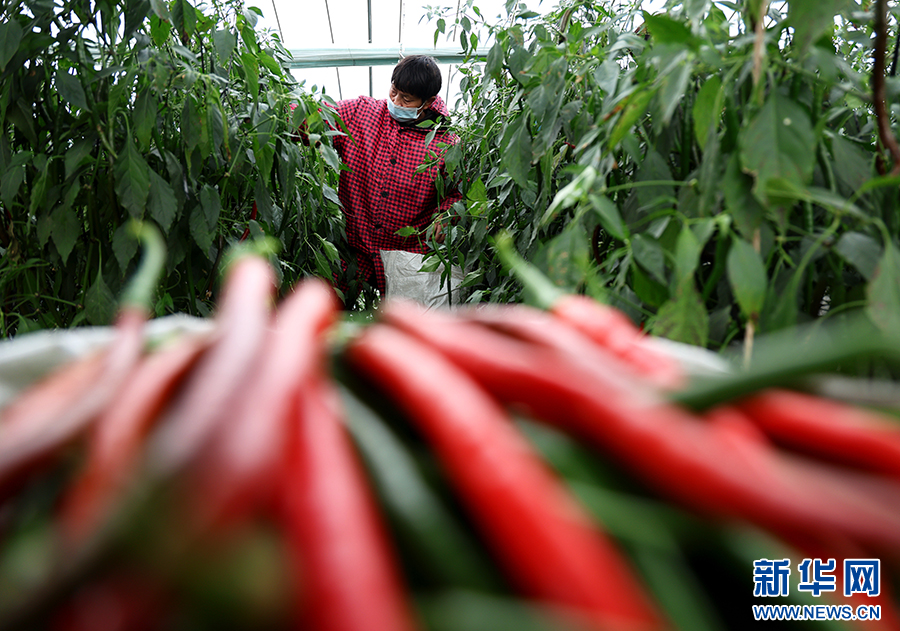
column 418, row 75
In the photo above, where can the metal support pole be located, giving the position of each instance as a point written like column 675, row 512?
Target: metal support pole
column 370, row 43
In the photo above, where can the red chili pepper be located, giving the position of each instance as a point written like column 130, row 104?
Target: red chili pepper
column 56, row 411
column 547, row 544
column 118, row 435
column 220, row 377
column 247, row 229
column 866, row 497
column 605, row 325
column 347, row 577
column 665, row 445
column 543, row 329
column 238, row 473
column 827, row 428
column 613, row 330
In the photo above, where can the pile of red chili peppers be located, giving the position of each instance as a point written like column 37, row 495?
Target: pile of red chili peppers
column 193, row 443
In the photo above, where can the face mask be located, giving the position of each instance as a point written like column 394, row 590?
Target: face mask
column 403, row 114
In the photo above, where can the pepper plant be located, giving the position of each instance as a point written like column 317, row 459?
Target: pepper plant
column 714, row 169
column 162, row 111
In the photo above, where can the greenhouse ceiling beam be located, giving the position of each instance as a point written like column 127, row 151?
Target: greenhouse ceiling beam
column 332, row 56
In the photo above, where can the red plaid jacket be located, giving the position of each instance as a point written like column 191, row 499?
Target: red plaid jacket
column 382, row 192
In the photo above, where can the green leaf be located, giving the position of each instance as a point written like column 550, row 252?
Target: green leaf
column 211, row 205
column 494, row 65
column 609, row 216
column 162, row 203
column 251, row 73
column 672, row 87
column 406, row 231
column 747, row 277
column 225, row 42
column 99, row 303
column 132, row 180
column 330, row 250
column 264, row 204
column 655, row 169
column 861, row 251
column 684, row 318
column 477, row 198
column 39, row 189
column 161, row 10
column 11, row 34
column 159, row 30
column 136, row 12
column 20, row 114
column 184, row 15
column 650, row 255
column 635, row 107
column 270, row 63
column 707, row 110
column 78, row 154
column 779, row 143
column 331, row 194
column 687, row 254
column 516, row 158
column 884, row 292
column 607, row 74
column 747, row 212
column 124, row 246
column 570, row 194
column 565, row 259
column 332, row 159
column 65, row 229
column 13, row 177
column 812, row 18
column 651, row 292
column 191, row 129
column 665, row 30
column 199, row 226
column 145, row 115
column 215, row 125
column 70, row 89
column 852, row 165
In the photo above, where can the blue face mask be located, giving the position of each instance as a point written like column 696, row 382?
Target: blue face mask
column 404, row 114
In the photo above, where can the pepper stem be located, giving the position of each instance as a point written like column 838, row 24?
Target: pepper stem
column 140, row 289
column 538, row 289
column 785, row 358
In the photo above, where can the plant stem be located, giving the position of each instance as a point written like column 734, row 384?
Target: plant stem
column 538, row 287
column 140, row 289
column 878, row 86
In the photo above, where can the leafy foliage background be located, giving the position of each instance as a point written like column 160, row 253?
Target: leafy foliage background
column 714, row 169
column 154, row 110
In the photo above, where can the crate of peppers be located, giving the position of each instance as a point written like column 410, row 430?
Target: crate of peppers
column 502, row 467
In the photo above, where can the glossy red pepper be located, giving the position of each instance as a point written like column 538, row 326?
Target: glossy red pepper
column 237, row 474
column 347, row 577
column 829, row 429
column 246, row 232
column 547, row 544
column 116, row 441
column 221, row 375
column 666, row 446
column 610, row 328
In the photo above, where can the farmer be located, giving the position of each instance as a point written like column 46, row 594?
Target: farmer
column 384, row 191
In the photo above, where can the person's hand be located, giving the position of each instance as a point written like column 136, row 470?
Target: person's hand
column 437, row 230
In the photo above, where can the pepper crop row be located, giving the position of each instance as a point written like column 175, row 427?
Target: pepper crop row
column 243, row 438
